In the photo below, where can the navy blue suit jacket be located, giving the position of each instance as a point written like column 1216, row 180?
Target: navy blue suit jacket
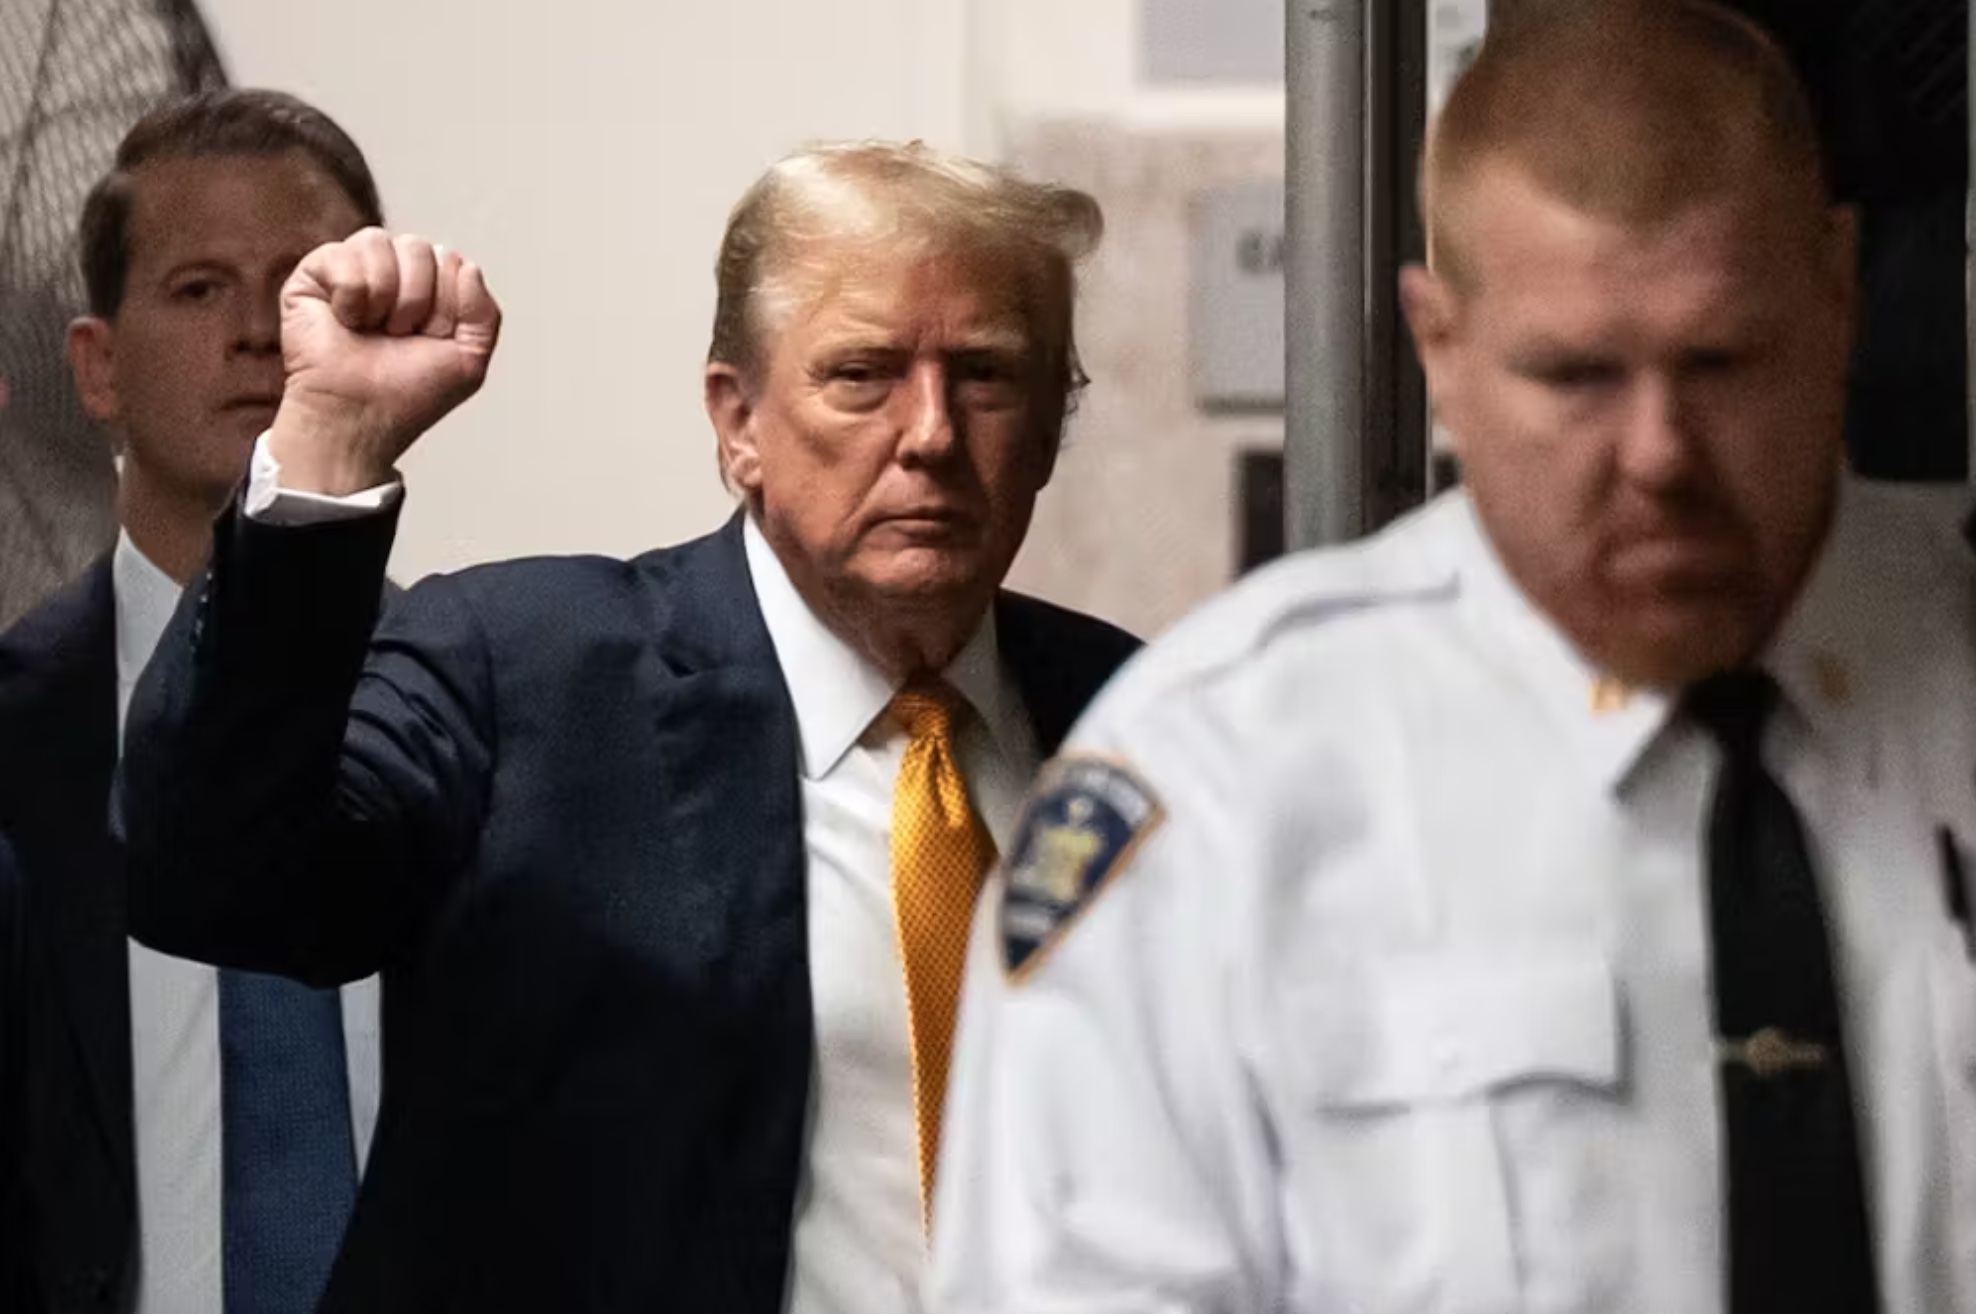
column 58, row 702
column 568, row 790
column 78, row 1203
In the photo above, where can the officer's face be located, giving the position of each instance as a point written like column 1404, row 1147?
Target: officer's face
column 188, row 371
column 895, row 449
column 1649, row 422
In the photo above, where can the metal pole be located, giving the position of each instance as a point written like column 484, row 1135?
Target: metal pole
column 1325, row 271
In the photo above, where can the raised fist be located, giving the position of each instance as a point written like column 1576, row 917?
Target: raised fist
column 381, row 336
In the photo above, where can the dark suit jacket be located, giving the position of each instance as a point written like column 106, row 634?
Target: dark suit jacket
column 58, row 702
column 58, row 695
column 13, row 1278
column 571, row 789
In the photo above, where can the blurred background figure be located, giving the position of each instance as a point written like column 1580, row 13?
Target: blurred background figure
column 74, row 75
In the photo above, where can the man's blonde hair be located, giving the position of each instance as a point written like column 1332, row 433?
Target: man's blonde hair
column 905, row 201
column 1626, row 109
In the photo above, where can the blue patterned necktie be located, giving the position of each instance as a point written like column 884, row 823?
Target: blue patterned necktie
column 290, row 1160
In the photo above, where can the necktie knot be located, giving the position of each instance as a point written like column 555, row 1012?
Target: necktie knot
column 1734, row 706
column 928, row 709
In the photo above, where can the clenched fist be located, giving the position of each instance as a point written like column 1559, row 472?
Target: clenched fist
column 381, row 336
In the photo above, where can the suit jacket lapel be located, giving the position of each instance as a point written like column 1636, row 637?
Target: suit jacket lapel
column 728, row 733
column 735, row 865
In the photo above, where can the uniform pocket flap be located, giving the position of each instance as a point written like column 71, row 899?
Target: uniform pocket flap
column 1434, row 1027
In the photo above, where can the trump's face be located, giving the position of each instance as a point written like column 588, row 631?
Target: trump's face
column 903, row 419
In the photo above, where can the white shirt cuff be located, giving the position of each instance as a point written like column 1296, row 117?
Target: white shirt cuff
column 270, row 504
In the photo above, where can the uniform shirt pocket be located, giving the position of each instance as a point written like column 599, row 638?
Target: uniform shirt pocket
column 1405, row 1124
column 1437, row 1028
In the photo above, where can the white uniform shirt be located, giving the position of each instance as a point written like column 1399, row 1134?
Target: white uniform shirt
column 857, row 1246
column 1404, row 1004
column 175, row 1040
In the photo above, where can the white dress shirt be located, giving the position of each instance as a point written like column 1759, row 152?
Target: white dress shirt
column 175, row 1041
column 1401, row 1000
column 857, row 1244
column 858, row 1247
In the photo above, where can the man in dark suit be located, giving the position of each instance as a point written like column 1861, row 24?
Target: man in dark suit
column 134, row 1059
column 679, row 853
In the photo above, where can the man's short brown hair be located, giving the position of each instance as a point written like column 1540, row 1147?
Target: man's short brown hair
column 1627, row 109
column 226, row 122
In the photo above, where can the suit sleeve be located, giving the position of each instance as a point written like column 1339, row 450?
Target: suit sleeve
column 296, row 790
column 1103, row 1151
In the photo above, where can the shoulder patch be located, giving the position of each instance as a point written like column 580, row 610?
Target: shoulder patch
column 1081, row 824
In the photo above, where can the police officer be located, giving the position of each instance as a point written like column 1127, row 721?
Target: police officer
column 1555, row 902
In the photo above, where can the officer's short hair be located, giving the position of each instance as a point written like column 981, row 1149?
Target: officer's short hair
column 910, row 200
column 225, row 122
column 1627, row 109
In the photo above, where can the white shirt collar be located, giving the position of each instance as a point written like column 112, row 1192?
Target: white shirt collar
column 1609, row 728
column 146, row 597
column 1856, row 610
column 1817, row 655
column 836, row 692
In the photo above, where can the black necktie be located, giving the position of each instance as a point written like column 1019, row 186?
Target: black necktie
column 1798, row 1234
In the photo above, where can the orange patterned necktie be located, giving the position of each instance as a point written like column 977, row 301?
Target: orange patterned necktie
column 940, row 851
